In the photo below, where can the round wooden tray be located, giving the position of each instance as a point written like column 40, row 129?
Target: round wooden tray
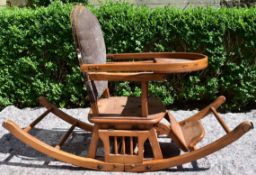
column 181, row 62
column 162, row 62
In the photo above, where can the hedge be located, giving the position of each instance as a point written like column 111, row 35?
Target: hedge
column 45, row 3
column 37, row 53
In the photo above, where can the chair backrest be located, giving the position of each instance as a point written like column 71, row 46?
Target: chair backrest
column 90, row 46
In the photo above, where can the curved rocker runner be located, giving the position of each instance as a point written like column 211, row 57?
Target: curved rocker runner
column 127, row 126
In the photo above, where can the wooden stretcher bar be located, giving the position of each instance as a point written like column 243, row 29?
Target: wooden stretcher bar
column 65, row 136
column 37, row 120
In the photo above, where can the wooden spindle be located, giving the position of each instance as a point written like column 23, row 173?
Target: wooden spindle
column 115, row 145
column 131, row 145
column 37, row 120
column 123, row 144
column 144, row 98
column 65, row 136
column 220, row 120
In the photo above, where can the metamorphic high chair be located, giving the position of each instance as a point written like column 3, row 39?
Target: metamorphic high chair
column 127, row 126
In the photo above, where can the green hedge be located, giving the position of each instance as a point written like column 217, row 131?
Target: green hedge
column 45, row 3
column 37, row 53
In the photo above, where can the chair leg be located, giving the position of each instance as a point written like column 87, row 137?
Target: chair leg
column 94, row 142
column 155, row 144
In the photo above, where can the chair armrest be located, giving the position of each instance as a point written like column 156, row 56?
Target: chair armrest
column 204, row 112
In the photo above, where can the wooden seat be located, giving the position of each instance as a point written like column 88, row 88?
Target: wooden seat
column 124, row 112
column 187, row 134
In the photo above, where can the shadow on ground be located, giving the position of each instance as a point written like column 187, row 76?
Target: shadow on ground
column 19, row 154
column 9, row 145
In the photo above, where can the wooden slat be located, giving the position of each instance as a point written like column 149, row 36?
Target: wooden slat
column 65, row 136
column 125, row 159
column 120, row 133
column 37, row 120
column 131, row 145
column 220, row 120
column 145, row 76
column 123, row 144
column 127, row 119
column 115, row 145
column 144, row 98
column 123, row 156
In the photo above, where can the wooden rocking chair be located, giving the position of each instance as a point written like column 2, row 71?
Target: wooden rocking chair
column 125, row 124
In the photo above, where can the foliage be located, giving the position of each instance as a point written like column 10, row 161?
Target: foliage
column 39, row 3
column 37, row 53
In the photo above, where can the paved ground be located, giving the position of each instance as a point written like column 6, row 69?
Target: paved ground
column 17, row 158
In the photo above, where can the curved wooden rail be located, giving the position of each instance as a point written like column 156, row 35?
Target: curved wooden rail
column 148, row 165
column 64, row 116
column 166, row 62
column 58, row 154
column 153, row 165
column 153, row 55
